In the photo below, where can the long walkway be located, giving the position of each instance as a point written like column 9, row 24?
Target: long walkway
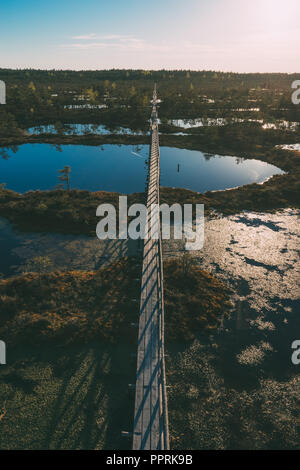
column 151, row 430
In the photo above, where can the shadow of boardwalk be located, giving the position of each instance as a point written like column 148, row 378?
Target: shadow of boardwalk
column 80, row 399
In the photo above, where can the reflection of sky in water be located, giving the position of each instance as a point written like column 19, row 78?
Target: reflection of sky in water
column 207, row 122
column 118, row 168
column 290, row 147
column 258, row 254
column 241, row 377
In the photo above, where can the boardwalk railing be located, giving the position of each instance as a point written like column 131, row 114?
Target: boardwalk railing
column 151, row 428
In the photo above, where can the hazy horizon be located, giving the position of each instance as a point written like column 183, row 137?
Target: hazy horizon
column 45, row 69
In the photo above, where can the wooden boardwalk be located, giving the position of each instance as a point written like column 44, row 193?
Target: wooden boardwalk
column 151, row 429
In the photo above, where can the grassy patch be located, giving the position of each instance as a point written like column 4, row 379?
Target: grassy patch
column 71, row 307
column 70, row 345
column 80, row 307
column 73, row 397
column 208, row 411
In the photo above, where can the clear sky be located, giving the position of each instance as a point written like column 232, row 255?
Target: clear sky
column 229, row 35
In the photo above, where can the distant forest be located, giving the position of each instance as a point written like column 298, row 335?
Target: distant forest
column 122, row 97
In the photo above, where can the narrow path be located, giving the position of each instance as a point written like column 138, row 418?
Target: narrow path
column 151, row 411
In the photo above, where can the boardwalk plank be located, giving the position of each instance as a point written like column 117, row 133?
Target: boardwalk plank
column 150, row 408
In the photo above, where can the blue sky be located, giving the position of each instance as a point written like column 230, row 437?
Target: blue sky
column 230, row 35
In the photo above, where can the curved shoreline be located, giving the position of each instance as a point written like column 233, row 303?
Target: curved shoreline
column 61, row 211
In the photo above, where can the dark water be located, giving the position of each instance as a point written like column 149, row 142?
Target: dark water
column 65, row 251
column 122, row 168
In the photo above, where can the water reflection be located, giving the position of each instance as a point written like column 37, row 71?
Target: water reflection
column 295, row 147
column 81, row 129
column 210, row 122
column 6, row 152
column 241, row 377
column 120, row 168
column 66, row 252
